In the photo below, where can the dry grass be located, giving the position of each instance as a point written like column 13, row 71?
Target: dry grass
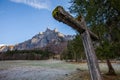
column 50, row 70
column 84, row 75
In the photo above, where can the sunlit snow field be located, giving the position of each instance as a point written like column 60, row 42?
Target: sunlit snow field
column 42, row 70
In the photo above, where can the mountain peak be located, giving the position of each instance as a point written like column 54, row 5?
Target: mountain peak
column 49, row 38
column 55, row 30
column 48, row 29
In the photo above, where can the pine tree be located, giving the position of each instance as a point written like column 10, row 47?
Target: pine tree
column 103, row 17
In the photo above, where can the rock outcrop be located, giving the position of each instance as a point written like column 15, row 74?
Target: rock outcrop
column 51, row 40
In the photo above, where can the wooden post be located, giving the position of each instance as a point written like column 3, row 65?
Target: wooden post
column 61, row 15
column 90, row 54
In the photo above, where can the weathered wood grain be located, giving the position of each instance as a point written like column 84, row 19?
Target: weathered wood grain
column 61, row 15
column 91, row 57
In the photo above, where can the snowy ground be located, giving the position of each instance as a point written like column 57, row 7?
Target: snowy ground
column 41, row 70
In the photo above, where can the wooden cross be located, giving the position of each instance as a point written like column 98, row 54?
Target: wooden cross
column 61, row 15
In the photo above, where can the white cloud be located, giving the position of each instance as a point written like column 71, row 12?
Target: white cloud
column 2, row 45
column 39, row 4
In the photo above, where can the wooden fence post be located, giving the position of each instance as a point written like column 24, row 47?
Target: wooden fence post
column 61, row 15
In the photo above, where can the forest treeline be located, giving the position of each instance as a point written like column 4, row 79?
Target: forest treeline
column 25, row 55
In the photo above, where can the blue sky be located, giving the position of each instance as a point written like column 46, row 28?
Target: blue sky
column 20, row 20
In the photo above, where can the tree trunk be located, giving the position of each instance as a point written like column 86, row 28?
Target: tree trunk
column 111, row 70
column 76, row 60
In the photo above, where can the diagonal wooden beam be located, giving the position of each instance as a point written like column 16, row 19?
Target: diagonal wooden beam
column 61, row 15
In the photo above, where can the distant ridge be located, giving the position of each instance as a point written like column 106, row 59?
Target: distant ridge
column 51, row 40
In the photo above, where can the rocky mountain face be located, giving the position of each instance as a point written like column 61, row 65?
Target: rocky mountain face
column 6, row 48
column 50, row 40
